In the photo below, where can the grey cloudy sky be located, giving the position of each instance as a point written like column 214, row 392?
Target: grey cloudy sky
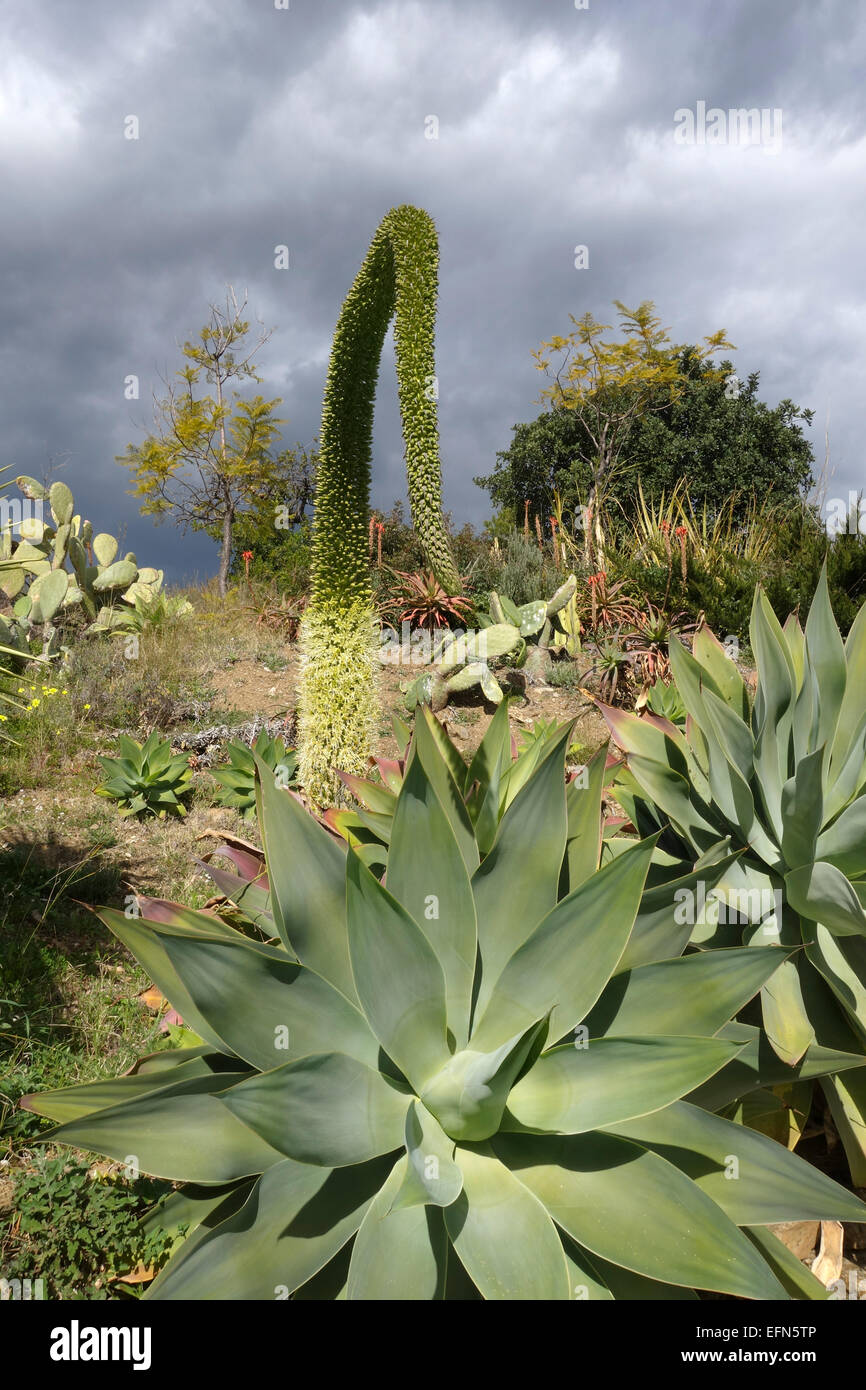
column 260, row 126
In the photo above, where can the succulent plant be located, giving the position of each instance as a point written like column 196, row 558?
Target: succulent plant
column 431, row 1090
column 783, row 781
column 460, row 662
column 146, row 777
column 337, row 705
column 237, row 782
column 535, row 619
column 36, row 577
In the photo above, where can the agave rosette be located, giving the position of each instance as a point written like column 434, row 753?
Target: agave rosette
column 782, row 780
column 442, row 1088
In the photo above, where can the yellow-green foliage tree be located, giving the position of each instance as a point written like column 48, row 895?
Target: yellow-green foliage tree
column 210, row 455
column 337, row 697
column 611, row 383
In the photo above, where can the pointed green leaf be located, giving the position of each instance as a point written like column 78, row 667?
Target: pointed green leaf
column 431, row 1175
column 307, row 870
column 294, row 1221
column 752, row 1178
column 503, row 1236
column 575, row 1088
column 515, row 886
column 635, row 1209
column 571, row 955
column 400, row 982
column 400, row 1253
column 183, row 1132
column 427, row 875
column 328, row 1110
column 692, row 996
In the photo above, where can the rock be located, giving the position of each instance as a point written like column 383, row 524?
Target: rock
column 801, row 1237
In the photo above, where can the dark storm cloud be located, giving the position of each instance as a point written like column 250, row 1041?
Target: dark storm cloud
column 261, row 126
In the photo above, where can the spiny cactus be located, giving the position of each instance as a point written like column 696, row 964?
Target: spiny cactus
column 337, row 700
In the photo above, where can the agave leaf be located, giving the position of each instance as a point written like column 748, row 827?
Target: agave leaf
column 503, row 1235
column 569, row 958
column 662, row 929
column 673, row 794
column 491, row 761
column 182, row 1132
column 268, row 1009
column 803, row 810
column 373, row 795
column 841, row 961
column 826, row 658
column 847, row 1099
column 249, row 897
column 428, row 876
column 327, row 1109
column 821, row 893
column 573, row 1089
column 401, row 1252
column 399, row 980
column 447, row 772
column 307, row 871
column 727, row 681
column 771, row 1183
column 468, row 1095
column 624, row 1283
column 74, row 1102
column 196, row 1208
column 786, row 1020
column 773, row 710
column 851, row 709
column 583, row 802
column 509, row 904
column 791, row 1272
column 689, row 997
column 430, row 1175
column 294, row 1221
column 142, row 938
column 600, row 1187
column 843, row 844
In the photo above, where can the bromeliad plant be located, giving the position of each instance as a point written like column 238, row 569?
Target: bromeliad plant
column 146, row 777
column 237, row 782
column 784, row 782
column 421, row 601
column 429, row 1090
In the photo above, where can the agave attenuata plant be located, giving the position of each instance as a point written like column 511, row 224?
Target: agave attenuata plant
column 427, row 1088
column 782, row 780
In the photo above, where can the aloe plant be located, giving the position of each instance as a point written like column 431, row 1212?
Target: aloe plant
column 237, row 782
column 145, row 777
column 783, row 781
column 427, row 1091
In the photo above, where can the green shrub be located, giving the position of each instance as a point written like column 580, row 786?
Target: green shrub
column 76, row 1232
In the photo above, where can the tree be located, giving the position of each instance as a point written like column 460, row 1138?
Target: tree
column 611, row 384
column 713, row 432
column 210, row 454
